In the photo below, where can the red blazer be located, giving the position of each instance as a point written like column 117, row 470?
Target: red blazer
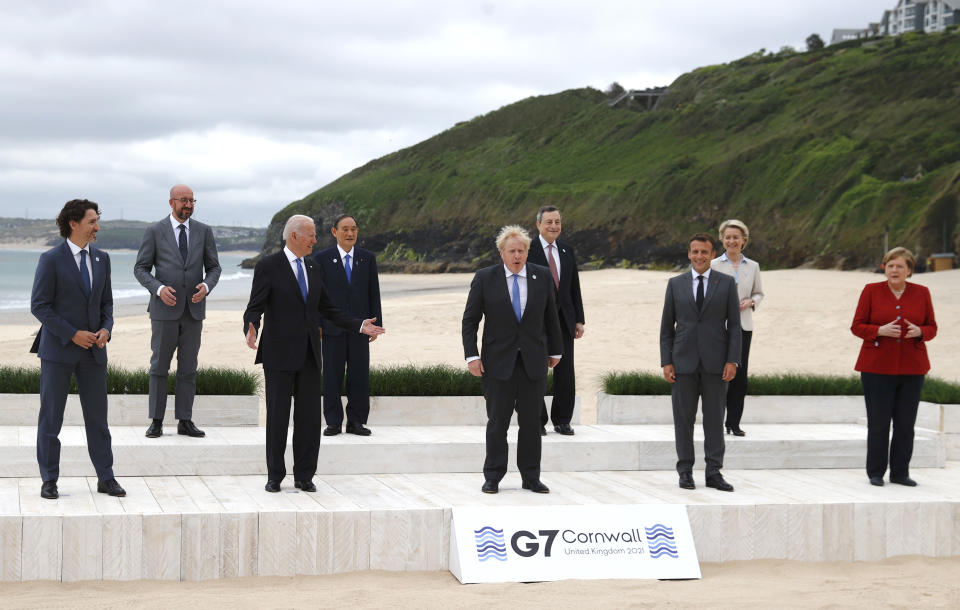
column 887, row 355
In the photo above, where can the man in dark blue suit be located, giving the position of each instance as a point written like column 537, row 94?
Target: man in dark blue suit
column 350, row 279
column 73, row 300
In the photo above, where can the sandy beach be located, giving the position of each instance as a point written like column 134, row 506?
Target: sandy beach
column 802, row 325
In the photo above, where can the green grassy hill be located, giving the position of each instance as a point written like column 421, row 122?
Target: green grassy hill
column 808, row 149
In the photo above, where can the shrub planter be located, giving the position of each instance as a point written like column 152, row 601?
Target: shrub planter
column 438, row 411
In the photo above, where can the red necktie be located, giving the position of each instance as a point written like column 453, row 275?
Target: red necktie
column 553, row 266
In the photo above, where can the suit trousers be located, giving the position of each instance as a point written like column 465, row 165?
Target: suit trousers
column 890, row 398
column 182, row 335
column 687, row 390
column 92, row 389
column 353, row 351
column 738, row 386
column 304, row 386
column 524, row 395
column 564, row 387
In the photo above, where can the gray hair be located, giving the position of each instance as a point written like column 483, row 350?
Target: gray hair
column 294, row 223
column 544, row 209
column 736, row 224
column 511, row 232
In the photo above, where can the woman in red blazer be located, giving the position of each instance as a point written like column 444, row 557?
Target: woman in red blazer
column 895, row 320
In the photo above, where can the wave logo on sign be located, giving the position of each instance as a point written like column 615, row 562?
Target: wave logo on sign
column 660, row 540
column 490, row 544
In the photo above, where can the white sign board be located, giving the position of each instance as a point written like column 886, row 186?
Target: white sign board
column 543, row 543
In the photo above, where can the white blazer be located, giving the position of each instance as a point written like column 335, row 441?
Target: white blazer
column 747, row 277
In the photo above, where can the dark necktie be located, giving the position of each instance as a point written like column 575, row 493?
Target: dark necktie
column 699, row 292
column 84, row 274
column 302, row 280
column 516, row 297
column 553, row 267
column 347, row 268
column 182, row 242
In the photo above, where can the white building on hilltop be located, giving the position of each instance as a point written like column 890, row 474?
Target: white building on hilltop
column 907, row 16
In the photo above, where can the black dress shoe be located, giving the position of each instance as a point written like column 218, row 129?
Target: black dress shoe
column 543, row 430
column 304, row 485
column 490, row 487
column 878, row 481
column 186, row 428
column 536, row 487
column 716, row 481
column 686, row 481
column 156, row 429
column 903, row 481
column 735, row 430
column 110, row 487
column 358, row 429
column 331, row 431
column 564, row 429
column 272, row 486
column 49, row 490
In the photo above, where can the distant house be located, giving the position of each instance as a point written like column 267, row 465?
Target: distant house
column 907, row 16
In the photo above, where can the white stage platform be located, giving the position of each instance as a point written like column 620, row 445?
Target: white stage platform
column 240, row 450
column 188, row 528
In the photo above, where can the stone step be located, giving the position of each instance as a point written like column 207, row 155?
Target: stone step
column 612, row 409
column 195, row 528
column 421, row 449
column 132, row 409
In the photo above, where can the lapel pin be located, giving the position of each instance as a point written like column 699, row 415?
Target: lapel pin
column 335, row 260
column 533, row 276
column 97, row 258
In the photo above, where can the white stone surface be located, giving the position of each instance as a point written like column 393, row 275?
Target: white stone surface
column 131, row 410
column 615, row 409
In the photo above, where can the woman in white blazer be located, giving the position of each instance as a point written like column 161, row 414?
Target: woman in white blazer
column 734, row 235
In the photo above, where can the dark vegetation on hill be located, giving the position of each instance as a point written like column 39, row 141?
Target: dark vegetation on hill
column 809, row 149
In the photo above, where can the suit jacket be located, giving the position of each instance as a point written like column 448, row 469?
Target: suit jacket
column 361, row 296
column 59, row 302
column 289, row 321
column 535, row 336
column 710, row 337
column 159, row 251
column 889, row 355
column 569, row 300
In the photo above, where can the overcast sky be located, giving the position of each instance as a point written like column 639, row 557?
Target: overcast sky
column 257, row 104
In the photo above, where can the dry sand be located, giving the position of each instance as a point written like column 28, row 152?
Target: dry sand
column 803, row 325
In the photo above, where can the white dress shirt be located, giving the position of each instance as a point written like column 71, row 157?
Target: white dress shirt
column 344, row 254
column 292, row 258
column 556, row 253
column 75, row 249
column 706, row 280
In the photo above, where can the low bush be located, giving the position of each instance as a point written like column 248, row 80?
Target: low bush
column 210, row 381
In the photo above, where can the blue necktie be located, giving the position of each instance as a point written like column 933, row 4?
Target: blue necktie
column 346, row 267
column 516, row 297
column 302, row 280
column 182, row 242
column 84, row 274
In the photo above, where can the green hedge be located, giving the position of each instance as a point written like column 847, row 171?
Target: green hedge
column 429, row 380
column 210, row 381
column 783, row 384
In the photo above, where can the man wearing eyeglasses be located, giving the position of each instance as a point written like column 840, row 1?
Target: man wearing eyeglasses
column 182, row 255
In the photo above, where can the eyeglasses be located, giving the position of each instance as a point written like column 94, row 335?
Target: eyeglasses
column 184, row 200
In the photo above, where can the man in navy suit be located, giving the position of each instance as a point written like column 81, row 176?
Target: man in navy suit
column 547, row 250
column 288, row 293
column 73, row 300
column 351, row 282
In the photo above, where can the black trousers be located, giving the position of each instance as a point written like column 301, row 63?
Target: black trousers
column 737, row 390
column 92, row 389
column 350, row 350
column 524, row 395
column 890, row 398
column 304, row 386
column 686, row 392
column 564, row 387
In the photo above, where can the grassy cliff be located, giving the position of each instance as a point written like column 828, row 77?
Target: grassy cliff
column 808, row 149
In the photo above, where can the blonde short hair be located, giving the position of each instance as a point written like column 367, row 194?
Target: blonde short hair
column 900, row 252
column 733, row 222
column 510, row 232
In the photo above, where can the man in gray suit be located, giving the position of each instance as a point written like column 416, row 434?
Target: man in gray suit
column 73, row 300
column 184, row 255
column 699, row 353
